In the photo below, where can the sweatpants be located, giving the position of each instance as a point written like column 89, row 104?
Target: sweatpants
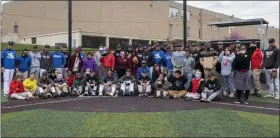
column 177, row 94
column 210, row 95
column 240, row 94
column 273, row 84
column 195, row 96
column 108, row 90
column 35, row 70
column 256, row 80
column 21, row 96
column 144, row 89
column 23, row 74
column 228, row 85
column 8, row 75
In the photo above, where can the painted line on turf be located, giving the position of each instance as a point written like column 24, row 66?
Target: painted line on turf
column 248, row 106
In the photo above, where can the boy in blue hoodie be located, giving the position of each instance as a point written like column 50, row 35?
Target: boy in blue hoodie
column 59, row 60
column 167, row 60
column 8, row 58
column 142, row 68
column 23, row 64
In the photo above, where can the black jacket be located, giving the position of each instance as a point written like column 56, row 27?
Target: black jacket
column 242, row 61
column 91, row 80
column 177, row 84
column 215, row 85
column 271, row 58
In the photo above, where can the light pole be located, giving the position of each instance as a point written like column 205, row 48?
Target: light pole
column 69, row 26
column 185, row 21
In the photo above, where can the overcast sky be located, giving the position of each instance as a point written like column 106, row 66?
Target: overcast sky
column 269, row 10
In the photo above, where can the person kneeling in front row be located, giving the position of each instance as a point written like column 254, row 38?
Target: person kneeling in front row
column 30, row 84
column 161, row 86
column 196, row 87
column 61, row 87
column 17, row 90
column 178, row 85
column 127, row 83
column 45, row 86
column 144, row 84
column 108, row 83
column 212, row 89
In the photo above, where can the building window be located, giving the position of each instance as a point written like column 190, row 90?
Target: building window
column 33, row 40
column 230, row 29
column 173, row 12
column 188, row 15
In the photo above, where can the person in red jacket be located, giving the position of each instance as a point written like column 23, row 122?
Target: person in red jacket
column 70, row 79
column 17, row 90
column 108, row 60
column 121, row 64
column 256, row 62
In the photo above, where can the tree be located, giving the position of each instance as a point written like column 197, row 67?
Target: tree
column 234, row 35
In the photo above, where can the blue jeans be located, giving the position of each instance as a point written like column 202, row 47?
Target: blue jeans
column 228, row 83
column 189, row 76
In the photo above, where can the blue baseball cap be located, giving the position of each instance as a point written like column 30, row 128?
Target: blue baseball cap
column 11, row 43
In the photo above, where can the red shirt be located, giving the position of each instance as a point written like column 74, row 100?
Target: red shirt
column 16, row 87
column 108, row 61
column 70, row 80
column 256, row 59
column 195, row 85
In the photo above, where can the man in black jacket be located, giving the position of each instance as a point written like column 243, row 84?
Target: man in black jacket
column 178, row 85
column 271, row 63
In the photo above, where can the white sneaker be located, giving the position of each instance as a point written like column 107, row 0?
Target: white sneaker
column 225, row 94
column 100, row 94
column 277, row 97
column 268, row 96
column 231, row 95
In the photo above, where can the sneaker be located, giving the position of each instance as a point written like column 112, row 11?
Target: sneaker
column 140, row 95
column 237, row 102
column 6, row 95
column 27, row 98
column 208, row 101
column 100, row 94
column 231, row 95
column 85, row 94
column 245, row 102
column 225, row 94
column 55, row 95
column 49, row 95
column 202, row 100
column 277, row 97
column 171, row 97
column 268, row 96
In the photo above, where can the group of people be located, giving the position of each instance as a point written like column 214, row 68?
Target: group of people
column 195, row 72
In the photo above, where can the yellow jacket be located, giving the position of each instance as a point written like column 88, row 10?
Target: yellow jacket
column 30, row 85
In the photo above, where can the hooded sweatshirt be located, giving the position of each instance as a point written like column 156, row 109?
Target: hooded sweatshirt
column 30, row 84
column 178, row 58
column 140, row 70
column 35, row 59
column 46, row 61
column 97, row 57
column 256, row 60
column 178, row 84
column 24, row 63
column 167, row 60
column 16, row 87
column 89, row 63
column 8, row 58
column 226, row 63
column 59, row 60
column 158, row 56
column 271, row 58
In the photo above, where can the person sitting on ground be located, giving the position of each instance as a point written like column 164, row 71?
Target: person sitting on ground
column 77, row 85
column 60, row 86
column 45, row 86
column 144, row 84
column 196, row 87
column 70, row 79
column 108, row 83
column 212, row 89
column 156, row 72
column 127, row 80
column 17, row 90
column 161, row 86
column 30, row 84
column 91, row 83
column 178, row 85
column 53, row 74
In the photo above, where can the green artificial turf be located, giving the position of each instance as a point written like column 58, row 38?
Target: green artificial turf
column 262, row 99
column 191, row 123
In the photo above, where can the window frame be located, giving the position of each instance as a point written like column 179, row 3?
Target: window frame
column 172, row 11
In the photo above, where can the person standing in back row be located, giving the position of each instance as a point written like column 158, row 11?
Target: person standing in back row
column 271, row 63
column 35, row 61
column 157, row 56
column 46, row 60
column 178, row 57
column 58, row 60
column 23, row 64
column 8, row 58
column 67, row 56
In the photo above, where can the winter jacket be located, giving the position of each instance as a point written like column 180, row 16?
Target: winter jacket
column 71, row 63
column 167, row 60
column 43, row 82
column 16, row 87
column 69, row 80
column 35, row 59
column 178, row 84
column 77, row 82
column 89, row 64
column 256, row 60
column 30, row 84
column 59, row 60
column 127, row 78
column 121, row 63
column 108, row 61
column 158, row 56
column 46, row 61
column 226, row 63
column 196, row 85
column 24, row 63
column 242, row 61
column 213, row 85
column 140, row 70
column 208, row 58
column 188, row 64
column 8, row 58
column 271, row 58
column 113, row 79
column 178, row 59
column 145, row 79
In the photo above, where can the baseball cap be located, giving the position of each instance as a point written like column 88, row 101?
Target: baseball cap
column 11, row 43
column 271, row 40
column 128, row 70
column 47, row 46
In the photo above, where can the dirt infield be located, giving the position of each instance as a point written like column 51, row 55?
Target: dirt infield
column 132, row 104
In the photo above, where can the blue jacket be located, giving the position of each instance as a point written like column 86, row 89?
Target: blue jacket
column 167, row 60
column 24, row 63
column 140, row 70
column 58, row 59
column 226, row 63
column 8, row 58
column 158, row 56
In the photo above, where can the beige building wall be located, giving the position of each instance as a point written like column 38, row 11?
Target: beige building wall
column 138, row 19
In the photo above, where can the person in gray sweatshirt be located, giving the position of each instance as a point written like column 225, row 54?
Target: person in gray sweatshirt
column 97, row 56
column 35, row 61
column 177, row 58
column 188, row 68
